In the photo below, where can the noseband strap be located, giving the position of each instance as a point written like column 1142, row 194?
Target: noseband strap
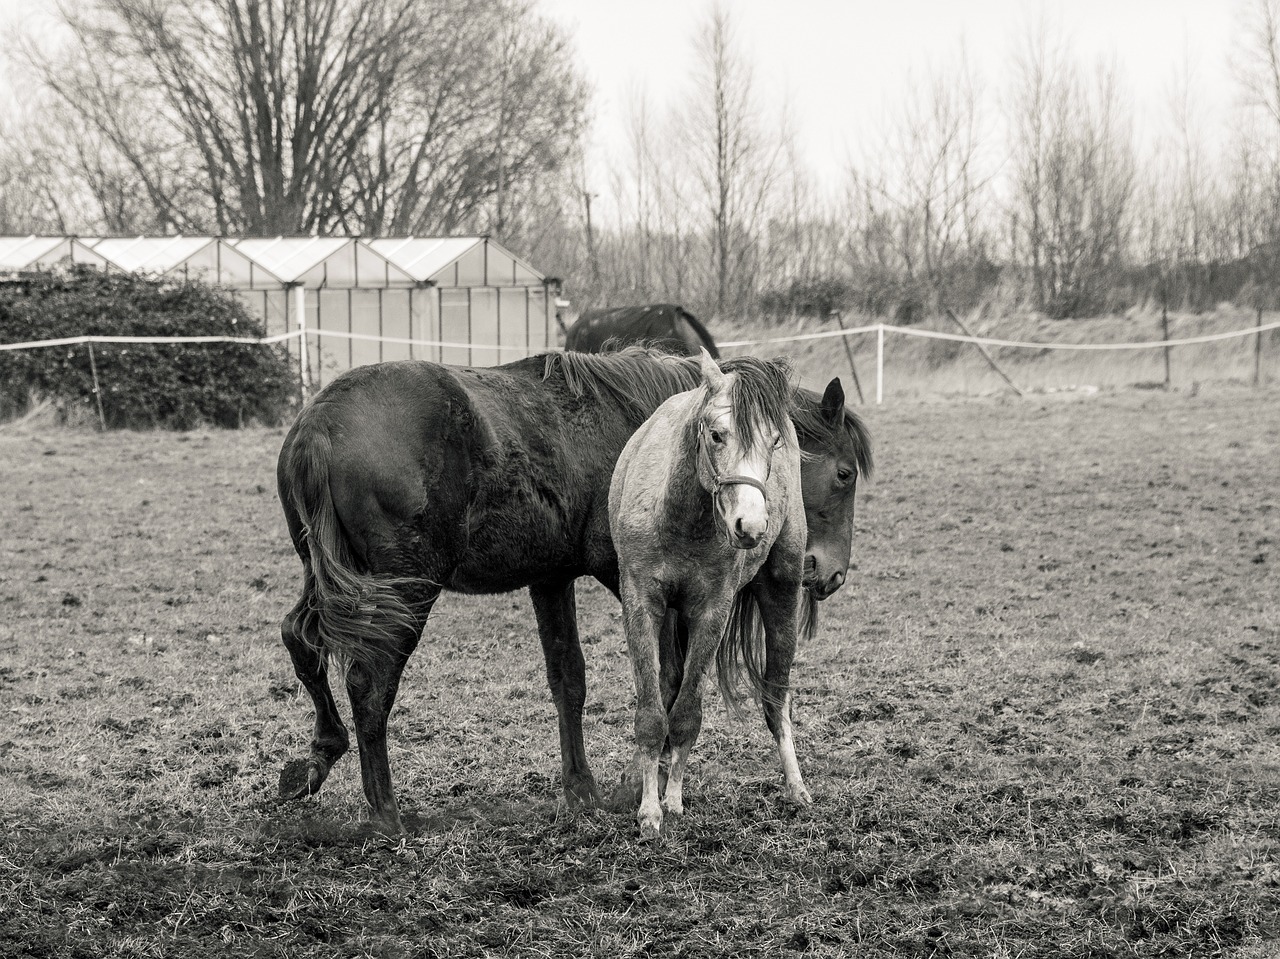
column 720, row 482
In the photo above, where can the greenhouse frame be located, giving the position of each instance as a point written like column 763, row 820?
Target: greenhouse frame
column 460, row 300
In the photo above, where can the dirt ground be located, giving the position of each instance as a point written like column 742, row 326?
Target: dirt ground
column 1041, row 719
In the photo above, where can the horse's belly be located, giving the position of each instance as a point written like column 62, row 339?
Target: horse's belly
column 511, row 551
column 503, row 576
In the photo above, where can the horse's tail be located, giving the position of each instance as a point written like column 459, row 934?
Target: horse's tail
column 700, row 332
column 742, row 650
column 357, row 616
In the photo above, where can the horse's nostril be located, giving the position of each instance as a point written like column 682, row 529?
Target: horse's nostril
column 835, row 582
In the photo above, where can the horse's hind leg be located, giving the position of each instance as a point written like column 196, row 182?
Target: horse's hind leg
column 302, row 777
column 778, row 607
column 555, row 610
column 372, row 685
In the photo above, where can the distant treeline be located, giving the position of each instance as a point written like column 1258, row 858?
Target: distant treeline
column 449, row 117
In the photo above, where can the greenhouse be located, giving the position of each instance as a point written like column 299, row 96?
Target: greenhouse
column 462, row 300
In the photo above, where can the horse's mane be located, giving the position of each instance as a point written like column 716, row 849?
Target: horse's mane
column 762, row 396
column 635, row 378
column 812, row 425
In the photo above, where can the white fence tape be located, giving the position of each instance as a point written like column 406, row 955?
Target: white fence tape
column 76, row 340
column 797, row 338
column 373, row 338
column 1015, row 344
column 800, row 337
column 880, row 329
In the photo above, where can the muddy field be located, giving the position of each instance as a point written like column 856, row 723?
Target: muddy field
column 1041, row 719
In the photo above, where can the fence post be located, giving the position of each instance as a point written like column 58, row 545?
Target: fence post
column 97, row 390
column 1164, row 326
column 848, row 352
column 1257, row 351
column 879, row 364
column 983, row 350
column 304, row 353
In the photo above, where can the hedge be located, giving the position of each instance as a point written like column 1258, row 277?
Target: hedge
column 168, row 386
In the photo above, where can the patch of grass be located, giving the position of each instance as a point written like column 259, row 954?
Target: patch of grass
column 1041, row 719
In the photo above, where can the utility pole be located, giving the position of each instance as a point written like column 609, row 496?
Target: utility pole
column 591, row 242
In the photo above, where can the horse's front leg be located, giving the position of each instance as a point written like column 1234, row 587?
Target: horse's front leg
column 779, row 600
column 642, row 617
column 556, row 612
column 684, row 719
column 672, row 644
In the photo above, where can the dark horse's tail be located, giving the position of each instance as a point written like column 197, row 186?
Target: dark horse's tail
column 742, row 650
column 355, row 616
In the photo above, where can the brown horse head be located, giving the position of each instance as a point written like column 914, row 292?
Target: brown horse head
column 838, row 452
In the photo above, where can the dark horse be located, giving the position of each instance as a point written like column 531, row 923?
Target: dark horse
column 664, row 326
column 402, row 480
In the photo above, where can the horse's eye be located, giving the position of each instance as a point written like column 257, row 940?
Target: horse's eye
column 777, row 443
column 717, row 437
column 844, row 475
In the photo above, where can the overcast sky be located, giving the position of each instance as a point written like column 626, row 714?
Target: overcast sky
column 840, row 64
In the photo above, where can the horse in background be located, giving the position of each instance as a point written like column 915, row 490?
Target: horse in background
column 664, row 326
column 708, row 521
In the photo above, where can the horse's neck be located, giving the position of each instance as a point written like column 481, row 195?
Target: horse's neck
column 685, row 500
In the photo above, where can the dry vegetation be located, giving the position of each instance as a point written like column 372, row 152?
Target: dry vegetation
column 1043, row 718
column 916, row 367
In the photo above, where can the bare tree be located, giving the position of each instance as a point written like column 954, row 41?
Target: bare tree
column 1257, row 166
column 28, row 201
column 930, row 178
column 488, row 97
column 643, row 174
column 1074, row 176
column 289, row 116
column 1259, row 70
column 734, row 164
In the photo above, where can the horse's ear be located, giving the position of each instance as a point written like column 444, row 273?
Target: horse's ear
column 833, row 402
column 711, row 373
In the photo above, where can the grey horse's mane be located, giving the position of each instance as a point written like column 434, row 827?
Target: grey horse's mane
column 761, row 396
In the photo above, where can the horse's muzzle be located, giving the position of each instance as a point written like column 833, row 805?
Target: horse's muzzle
column 821, row 588
column 746, row 539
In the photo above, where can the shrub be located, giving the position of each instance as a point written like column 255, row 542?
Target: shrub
column 813, row 297
column 174, row 386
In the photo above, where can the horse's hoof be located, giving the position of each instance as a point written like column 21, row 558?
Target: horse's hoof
column 628, row 793
column 387, row 826
column 650, row 828
column 582, row 792
column 799, row 796
column 673, row 807
column 301, row 778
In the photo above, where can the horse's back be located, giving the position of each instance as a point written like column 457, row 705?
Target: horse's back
column 666, row 326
